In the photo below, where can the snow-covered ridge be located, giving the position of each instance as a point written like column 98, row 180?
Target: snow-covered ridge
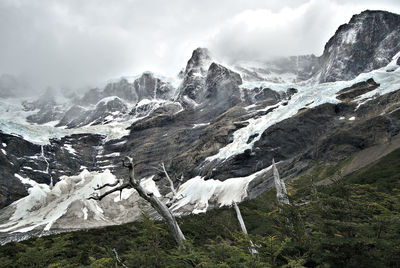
column 66, row 205
column 197, row 193
column 308, row 96
column 46, row 205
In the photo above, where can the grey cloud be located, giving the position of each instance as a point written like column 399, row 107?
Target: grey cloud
column 74, row 44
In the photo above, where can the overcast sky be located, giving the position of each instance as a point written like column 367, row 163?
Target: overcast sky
column 75, row 43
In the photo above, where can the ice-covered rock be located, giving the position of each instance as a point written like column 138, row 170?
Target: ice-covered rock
column 367, row 42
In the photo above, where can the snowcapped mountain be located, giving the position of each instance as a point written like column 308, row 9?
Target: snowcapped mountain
column 216, row 128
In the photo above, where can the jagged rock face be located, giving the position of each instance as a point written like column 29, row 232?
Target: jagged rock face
column 145, row 87
column 99, row 106
column 150, row 87
column 106, row 110
column 11, row 189
column 122, row 89
column 367, row 42
column 222, row 87
column 46, row 164
column 72, row 117
column 264, row 95
column 208, row 84
column 194, row 75
column 49, row 110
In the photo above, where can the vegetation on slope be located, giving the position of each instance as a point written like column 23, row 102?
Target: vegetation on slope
column 352, row 222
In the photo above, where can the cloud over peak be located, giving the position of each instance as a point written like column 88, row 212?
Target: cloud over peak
column 80, row 43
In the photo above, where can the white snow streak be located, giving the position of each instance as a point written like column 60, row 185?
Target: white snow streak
column 196, row 193
column 314, row 94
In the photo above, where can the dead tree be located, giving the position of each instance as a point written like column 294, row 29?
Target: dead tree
column 281, row 193
column 119, row 261
column 155, row 202
column 243, row 227
column 171, row 184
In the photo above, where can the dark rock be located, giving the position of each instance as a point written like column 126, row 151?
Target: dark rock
column 192, row 88
column 267, row 94
column 122, row 89
column 221, row 89
column 290, row 92
column 73, row 117
column 357, row 89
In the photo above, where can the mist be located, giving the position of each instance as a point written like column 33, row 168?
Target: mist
column 72, row 45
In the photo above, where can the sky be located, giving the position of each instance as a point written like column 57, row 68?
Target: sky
column 74, row 44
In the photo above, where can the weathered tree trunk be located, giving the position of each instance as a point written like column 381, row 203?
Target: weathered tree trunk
column 240, row 218
column 281, row 193
column 159, row 206
column 252, row 249
column 171, row 183
column 156, row 203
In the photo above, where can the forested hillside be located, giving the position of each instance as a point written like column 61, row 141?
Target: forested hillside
column 332, row 221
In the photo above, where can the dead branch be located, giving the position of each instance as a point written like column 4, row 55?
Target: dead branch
column 281, row 193
column 171, row 183
column 240, row 219
column 119, row 188
column 252, row 248
column 154, row 201
column 118, row 259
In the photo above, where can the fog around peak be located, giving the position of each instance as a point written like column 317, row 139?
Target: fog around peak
column 74, row 44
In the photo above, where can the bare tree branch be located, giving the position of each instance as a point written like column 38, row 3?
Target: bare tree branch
column 119, row 188
column 118, row 259
column 240, row 218
column 252, row 248
column 171, row 183
column 281, row 193
column 154, row 201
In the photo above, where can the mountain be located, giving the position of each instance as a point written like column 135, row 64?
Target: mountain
column 367, row 42
column 364, row 44
column 215, row 127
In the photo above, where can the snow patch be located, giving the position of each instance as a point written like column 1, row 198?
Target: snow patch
column 85, row 213
column 197, row 192
column 69, row 148
column 111, row 155
column 44, row 206
column 200, row 125
column 307, row 93
column 350, row 36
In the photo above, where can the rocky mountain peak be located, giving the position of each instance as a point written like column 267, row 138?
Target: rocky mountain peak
column 199, row 62
column 191, row 89
column 218, row 74
column 367, row 42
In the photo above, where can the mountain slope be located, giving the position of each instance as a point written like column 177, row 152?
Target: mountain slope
column 217, row 133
